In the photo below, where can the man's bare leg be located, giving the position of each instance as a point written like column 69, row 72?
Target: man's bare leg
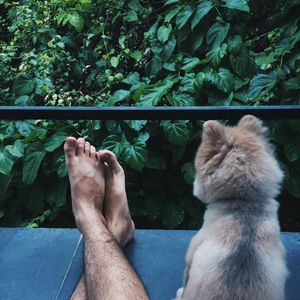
column 115, row 207
column 73, row 159
column 108, row 274
column 116, row 211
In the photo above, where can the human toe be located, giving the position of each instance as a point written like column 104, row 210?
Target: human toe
column 93, row 152
column 111, row 159
column 87, row 147
column 80, row 146
column 70, row 149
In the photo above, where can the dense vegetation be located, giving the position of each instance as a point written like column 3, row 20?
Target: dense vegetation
column 146, row 53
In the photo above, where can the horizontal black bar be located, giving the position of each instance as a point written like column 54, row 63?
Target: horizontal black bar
column 148, row 113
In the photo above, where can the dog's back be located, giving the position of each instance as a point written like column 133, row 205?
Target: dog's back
column 237, row 254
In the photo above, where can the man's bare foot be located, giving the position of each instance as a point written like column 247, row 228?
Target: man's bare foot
column 116, row 211
column 87, row 174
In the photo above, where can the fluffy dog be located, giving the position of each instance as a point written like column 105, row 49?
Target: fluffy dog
column 237, row 254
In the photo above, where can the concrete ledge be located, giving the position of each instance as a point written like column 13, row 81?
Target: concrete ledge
column 47, row 263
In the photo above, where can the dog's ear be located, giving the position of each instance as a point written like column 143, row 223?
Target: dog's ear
column 214, row 131
column 253, row 125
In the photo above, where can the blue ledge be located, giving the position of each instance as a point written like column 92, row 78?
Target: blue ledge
column 47, row 263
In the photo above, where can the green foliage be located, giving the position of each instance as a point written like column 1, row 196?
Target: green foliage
column 143, row 53
column 238, row 4
column 177, row 132
column 6, row 163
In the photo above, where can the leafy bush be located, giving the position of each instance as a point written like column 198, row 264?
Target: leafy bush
column 144, row 53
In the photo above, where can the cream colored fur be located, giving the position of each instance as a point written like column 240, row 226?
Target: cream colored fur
column 237, row 254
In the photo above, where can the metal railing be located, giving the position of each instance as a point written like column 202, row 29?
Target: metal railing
column 148, row 113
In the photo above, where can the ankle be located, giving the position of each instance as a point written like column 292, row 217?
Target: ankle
column 87, row 219
column 122, row 229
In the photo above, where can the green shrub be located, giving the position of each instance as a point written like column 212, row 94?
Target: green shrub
column 144, row 53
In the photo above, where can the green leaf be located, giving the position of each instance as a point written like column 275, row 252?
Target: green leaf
column 172, row 215
column 292, row 84
column 234, row 43
column 217, row 34
column 223, row 79
column 150, row 34
column 183, row 34
column 183, row 16
column 76, row 21
column 114, row 143
column 176, row 132
column 202, row 10
column 132, row 78
column 190, row 63
column 216, row 54
column 188, row 171
column 187, row 82
column 42, row 85
column 292, row 150
column 264, row 61
column 22, row 100
column 55, row 141
column 168, row 2
column 240, row 63
column 261, row 84
column 238, row 4
column 195, row 39
column 153, row 95
column 143, row 136
column 24, row 85
column 181, row 100
column 62, row 17
column 17, row 149
column 113, row 127
column 118, row 96
column 6, row 163
column 135, row 5
column 114, row 61
column 57, row 197
column 172, row 13
column 154, row 66
column 238, row 83
column 136, row 125
column 96, row 124
column 163, row 33
column 25, row 128
column 287, row 44
column 167, row 49
column 131, row 16
column 32, row 162
column 135, row 154
column 200, row 78
column 216, row 98
column 61, row 167
column 170, row 66
column 137, row 55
